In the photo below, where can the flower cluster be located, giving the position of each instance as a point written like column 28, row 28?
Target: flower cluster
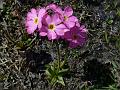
column 55, row 23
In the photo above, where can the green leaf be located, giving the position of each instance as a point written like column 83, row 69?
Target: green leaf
column 60, row 80
column 2, row 77
column 63, row 71
column 47, row 73
column 62, row 64
column 118, row 12
column 19, row 45
column 54, row 73
column 28, row 41
column 114, row 64
column 53, row 81
column 109, row 21
column 51, row 71
column 52, row 68
column 106, row 37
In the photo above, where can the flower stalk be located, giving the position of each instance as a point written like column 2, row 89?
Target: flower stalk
column 58, row 51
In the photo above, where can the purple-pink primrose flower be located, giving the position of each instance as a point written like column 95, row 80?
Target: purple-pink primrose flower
column 58, row 24
column 68, row 19
column 53, row 27
column 33, row 19
column 76, row 36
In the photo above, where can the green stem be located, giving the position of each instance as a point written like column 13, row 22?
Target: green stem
column 58, row 51
column 66, row 54
column 32, row 41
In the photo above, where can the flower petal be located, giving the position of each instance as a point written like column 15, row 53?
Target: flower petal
column 73, row 45
column 83, row 29
column 41, row 13
column 31, row 29
column 73, row 19
column 51, row 35
column 77, row 24
column 81, row 41
column 68, row 11
column 59, row 10
column 51, row 6
column 55, row 8
column 69, row 24
column 48, row 19
column 32, row 14
column 68, row 36
column 39, row 25
column 43, row 31
column 60, row 29
column 29, row 23
column 60, row 32
column 56, row 19
column 33, row 11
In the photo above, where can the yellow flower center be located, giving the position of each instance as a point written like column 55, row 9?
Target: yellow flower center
column 51, row 27
column 36, row 20
column 65, row 18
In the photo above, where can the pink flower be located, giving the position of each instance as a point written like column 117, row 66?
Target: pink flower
column 53, row 27
column 33, row 19
column 76, row 36
column 68, row 19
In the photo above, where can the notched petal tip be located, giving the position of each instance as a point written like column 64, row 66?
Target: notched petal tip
column 68, row 11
